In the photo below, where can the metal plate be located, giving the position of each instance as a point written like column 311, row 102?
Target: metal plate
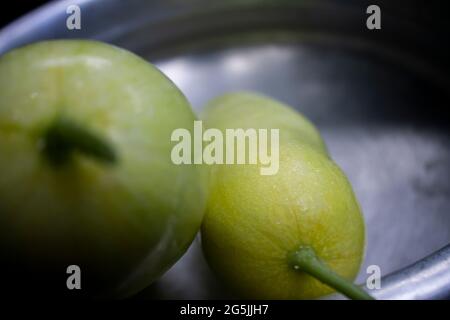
column 381, row 106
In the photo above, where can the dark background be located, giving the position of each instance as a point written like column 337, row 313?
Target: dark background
column 12, row 11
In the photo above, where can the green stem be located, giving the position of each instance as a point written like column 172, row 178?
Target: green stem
column 65, row 136
column 306, row 260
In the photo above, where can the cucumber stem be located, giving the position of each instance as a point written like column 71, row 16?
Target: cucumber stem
column 305, row 260
column 65, row 136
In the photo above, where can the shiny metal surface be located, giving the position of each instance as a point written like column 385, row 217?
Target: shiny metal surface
column 380, row 102
column 427, row 279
